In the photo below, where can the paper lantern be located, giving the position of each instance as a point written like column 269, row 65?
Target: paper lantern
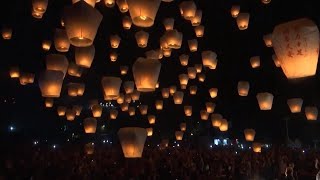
column 146, row 73
column 72, row 89
column 167, row 52
column 93, row 102
column 81, row 22
column 164, row 143
column 192, row 72
column 255, row 61
column 132, row 111
column 235, row 10
column 172, row 89
column 243, row 88
column 14, row 72
column 23, row 79
column 36, row 14
column 265, row 100
column 276, row 60
column 84, row 56
column 224, row 126
column 199, row 31
column 209, row 59
column 96, row 111
column 179, row 135
column 113, row 114
column 213, row 92
column 39, row 6
column 193, row 45
column 142, row 38
column 268, row 40
column 90, row 125
column 168, row 23
column 311, row 113
column 149, row 131
column 210, row 107
column 81, row 89
column 193, row 90
column 50, row 83
column 183, row 78
column 243, row 21
column 89, row 148
column 46, row 45
column 296, row 44
column 201, row 77
column 135, row 95
column 127, row 98
column 184, row 59
column 128, row 86
column 188, row 110
column 183, row 127
column 61, row 110
column 163, row 42
column 160, row 53
column 6, row 33
column 132, row 141
column 90, row 2
column 115, row 41
column 196, row 20
column 159, row 104
column 57, row 62
column 295, row 104
column 152, row 119
column 198, row 68
column 109, row 3
column 70, row 114
column 143, row 109
column 124, row 70
column 111, row 87
column 120, row 98
column 48, row 102
column 77, row 109
column 74, row 70
column 204, row 115
column 123, row 6
column 265, row 1
column 124, row 106
column 178, row 97
column 152, row 54
column 249, row 134
column 256, row 147
column 29, row 77
column 165, row 93
column 126, row 22
column 216, row 120
column 61, row 41
column 188, row 9
column 173, row 39
column 143, row 12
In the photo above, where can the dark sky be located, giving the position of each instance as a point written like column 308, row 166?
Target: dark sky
column 233, row 47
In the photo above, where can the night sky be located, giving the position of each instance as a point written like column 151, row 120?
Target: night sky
column 23, row 106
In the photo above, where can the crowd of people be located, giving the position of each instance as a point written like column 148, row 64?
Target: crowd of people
column 72, row 162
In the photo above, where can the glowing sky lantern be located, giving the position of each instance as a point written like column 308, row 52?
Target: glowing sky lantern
column 132, row 141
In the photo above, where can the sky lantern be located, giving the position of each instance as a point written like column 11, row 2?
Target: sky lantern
column 74, row 70
column 235, row 10
column 265, row 1
column 90, row 2
column 113, row 114
column 204, row 115
column 90, row 125
column 192, row 72
column 36, row 14
column 187, row 110
column 61, row 110
column 184, row 59
column 126, row 22
column 132, row 141
column 295, row 104
column 243, row 88
column 296, row 44
column 89, row 148
column 201, row 77
column 142, row 38
column 311, row 113
column 276, row 60
column 143, row 109
column 249, row 134
column 152, row 119
column 109, row 3
column 153, row 54
column 167, row 52
column 193, row 90
column 70, row 114
column 146, row 73
column 143, row 12
column 93, row 102
column 159, row 104
column 135, row 95
column 173, row 39
column 48, row 102
column 188, row 9
column 84, row 56
column 81, row 22
column 61, row 41
column 50, row 83
column 265, row 100
column 224, row 126
column 256, row 147
column 39, row 6
column 46, row 45
column 216, row 120
column 210, row 106
column 198, row 68
column 213, row 92
column 111, row 87
column 96, row 110
column 183, row 78
column 193, row 45
column 81, row 88
column 255, row 61
column 23, row 79
column 209, row 59
column 57, row 62
column 115, row 41
column 149, row 132
column 120, row 98
column 124, row 70
column 123, row 6
column 196, row 20
column 172, row 89
column 243, row 21
column 165, row 93
column 168, row 23
column 164, row 143
column 14, row 72
column 179, row 135
column 127, row 98
column 178, row 97
column 132, row 111
column 128, row 86
column 199, row 31
column 183, row 127
column 77, row 109
column 72, row 89
column 6, row 33
column 268, row 40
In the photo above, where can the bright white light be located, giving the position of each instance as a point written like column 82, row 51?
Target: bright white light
column 303, row 151
column 216, row 142
column 236, row 152
column 210, row 146
column 158, row 145
column 191, row 134
column 54, row 146
column 35, row 142
column 178, row 145
column 104, row 141
column 11, row 128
